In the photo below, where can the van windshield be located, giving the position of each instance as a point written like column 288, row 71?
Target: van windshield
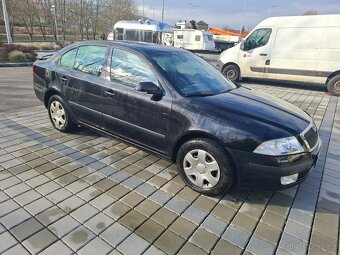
column 190, row 75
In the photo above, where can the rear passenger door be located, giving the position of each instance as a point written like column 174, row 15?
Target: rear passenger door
column 83, row 82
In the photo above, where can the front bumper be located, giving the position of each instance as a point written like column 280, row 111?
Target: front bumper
column 265, row 172
column 219, row 65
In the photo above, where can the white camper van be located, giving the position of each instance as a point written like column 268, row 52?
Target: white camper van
column 193, row 39
column 141, row 31
column 296, row 48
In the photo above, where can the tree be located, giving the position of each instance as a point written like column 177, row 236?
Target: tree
column 311, row 12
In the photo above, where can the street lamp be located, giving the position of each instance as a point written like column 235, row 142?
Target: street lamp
column 8, row 32
column 163, row 11
column 244, row 15
column 55, row 22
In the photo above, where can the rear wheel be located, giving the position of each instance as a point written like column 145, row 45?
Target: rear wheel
column 205, row 167
column 232, row 72
column 333, row 85
column 59, row 114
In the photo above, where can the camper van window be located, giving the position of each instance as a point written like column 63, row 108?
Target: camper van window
column 258, row 38
column 147, row 36
column 119, row 34
column 131, row 35
column 128, row 69
column 179, row 36
column 197, row 38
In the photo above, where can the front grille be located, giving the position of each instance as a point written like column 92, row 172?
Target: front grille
column 311, row 137
column 303, row 175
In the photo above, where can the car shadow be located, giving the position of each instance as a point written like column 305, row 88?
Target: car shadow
column 285, row 84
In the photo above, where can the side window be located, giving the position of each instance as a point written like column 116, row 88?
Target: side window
column 197, row 38
column 258, row 38
column 179, row 36
column 67, row 60
column 129, row 69
column 90, row 59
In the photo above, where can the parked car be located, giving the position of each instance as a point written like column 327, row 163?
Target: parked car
column 296, row 48
column 177, row 105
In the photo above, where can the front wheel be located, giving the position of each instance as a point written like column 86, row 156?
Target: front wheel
column 59, row 114
column 205, row 166
column 232, row 72
column 333, row 85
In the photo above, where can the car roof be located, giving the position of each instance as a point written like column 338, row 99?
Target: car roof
column 137, row 46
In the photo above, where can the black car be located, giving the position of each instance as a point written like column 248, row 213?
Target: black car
column 175, row 104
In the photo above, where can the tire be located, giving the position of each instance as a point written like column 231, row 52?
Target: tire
column 333, row 85
column 206, row 152
column 232, row 72
column 59, row 114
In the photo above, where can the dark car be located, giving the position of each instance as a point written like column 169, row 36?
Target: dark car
column 175, row 104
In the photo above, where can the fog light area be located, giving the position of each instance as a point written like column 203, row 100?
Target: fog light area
column 285, row 180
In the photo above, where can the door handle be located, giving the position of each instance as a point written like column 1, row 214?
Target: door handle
column 110, row 93
column 263, row 54
column 63, row 78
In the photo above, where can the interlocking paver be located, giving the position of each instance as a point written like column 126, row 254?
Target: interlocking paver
column 99, row 223
column 204, row 239
column 63, row 226
column 96, row 246
column 169, row 242
column 39, row 241
column 115, row 234
column 78, row 238
column 57, row 248
column 26, row 229
column 133, row 245
column 6, row 241
column 150, row 230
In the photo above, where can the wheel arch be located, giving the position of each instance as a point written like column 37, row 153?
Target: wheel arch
column 332, row 75
column 50, row 93
column 200, row 134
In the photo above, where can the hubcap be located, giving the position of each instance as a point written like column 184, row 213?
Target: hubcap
column 337, row 85
column 231, row 74
column 201, row 168
column 57, row 114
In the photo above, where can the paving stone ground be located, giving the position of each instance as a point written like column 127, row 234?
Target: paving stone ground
column 88, row 194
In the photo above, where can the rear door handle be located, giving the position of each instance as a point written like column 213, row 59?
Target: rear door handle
column 263, row 54
column 110, row 92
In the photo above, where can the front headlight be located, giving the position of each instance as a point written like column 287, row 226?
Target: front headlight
column 280, row 147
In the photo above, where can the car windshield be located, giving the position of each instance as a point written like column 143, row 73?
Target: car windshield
column 190, row 75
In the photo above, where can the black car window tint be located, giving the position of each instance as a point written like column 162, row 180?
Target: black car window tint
column 67, row 60
column 129, row 69
column 90, row 59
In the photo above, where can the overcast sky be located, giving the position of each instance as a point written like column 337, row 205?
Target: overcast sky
column 220, row 13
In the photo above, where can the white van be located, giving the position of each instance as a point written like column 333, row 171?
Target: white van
column 296, row 48
column 193, row 39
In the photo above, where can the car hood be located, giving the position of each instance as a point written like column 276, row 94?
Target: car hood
column 259, row 106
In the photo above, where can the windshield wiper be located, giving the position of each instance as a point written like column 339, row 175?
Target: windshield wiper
column 200, row 94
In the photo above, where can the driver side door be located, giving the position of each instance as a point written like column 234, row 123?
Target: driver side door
column 134, row 115
column 255, row 53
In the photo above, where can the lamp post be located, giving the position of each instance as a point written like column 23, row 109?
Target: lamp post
column 55, row 22
column 8, row 31
column 163, row 11
column 244, row 15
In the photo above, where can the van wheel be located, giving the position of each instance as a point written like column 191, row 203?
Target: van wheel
column 59, row 114
column 232, row 72
column 205, row 167
column 333, row 85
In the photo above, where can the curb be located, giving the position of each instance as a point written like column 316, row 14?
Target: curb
column 16, row 64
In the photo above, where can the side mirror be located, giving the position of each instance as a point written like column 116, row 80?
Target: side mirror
column 242, row 45
column 148, row 87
